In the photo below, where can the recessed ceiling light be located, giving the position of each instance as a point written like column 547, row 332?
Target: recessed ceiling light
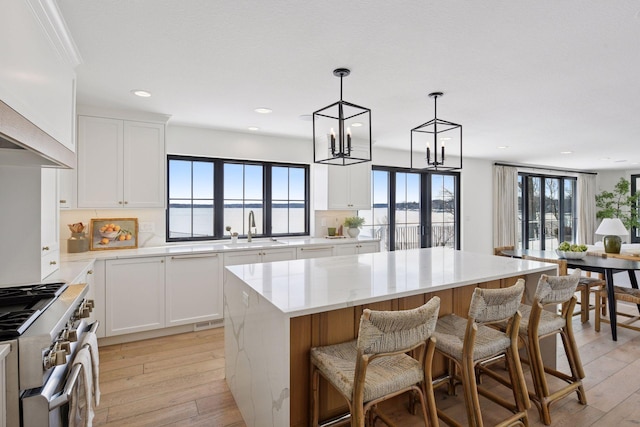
column 263, row 110
column 503, row 147
column 254, row 128
column 305, row 117
column 141, row 93
column 566, row 152
column 356, row 124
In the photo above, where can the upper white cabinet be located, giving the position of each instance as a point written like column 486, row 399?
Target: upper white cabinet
column 343, row 187
column 37, row 78
column 193, row 288
column 121, row 163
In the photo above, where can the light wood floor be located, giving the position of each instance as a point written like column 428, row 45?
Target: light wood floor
column 179, row 381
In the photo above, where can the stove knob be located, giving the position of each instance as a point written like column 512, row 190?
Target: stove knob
column 61, row 357
column 49, row 361
column 65, row 346
column 90, row 303
column 84, row 312
column 72, row 335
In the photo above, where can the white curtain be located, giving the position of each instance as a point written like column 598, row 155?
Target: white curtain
column 586, row 209
column 505, row 206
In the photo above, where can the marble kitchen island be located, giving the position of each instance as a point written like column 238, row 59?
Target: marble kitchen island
column 275, row 312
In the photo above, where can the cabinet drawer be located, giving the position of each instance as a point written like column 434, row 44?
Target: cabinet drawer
column 50, row 262
column 315, row 252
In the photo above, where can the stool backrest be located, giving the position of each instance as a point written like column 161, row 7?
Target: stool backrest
column 494, row 305
column 557, row 289
column 392, row 331
column 562, row 263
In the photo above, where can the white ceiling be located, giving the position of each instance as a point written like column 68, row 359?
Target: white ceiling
column 538, row 76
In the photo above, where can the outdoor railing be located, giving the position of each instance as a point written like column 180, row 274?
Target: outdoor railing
column 408, row 237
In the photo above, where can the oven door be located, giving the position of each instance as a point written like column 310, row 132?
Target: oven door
column 49, row 405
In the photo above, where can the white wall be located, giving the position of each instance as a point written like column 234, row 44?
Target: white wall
column 476, row 181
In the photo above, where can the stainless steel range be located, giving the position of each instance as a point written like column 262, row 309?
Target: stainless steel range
column 44, row 325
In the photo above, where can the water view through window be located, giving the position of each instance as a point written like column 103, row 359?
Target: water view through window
column 207, row 195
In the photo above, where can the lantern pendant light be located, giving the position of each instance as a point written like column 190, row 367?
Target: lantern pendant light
column 441, row 141
column 342, row 131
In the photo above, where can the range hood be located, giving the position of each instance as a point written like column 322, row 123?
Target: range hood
column 22, row 143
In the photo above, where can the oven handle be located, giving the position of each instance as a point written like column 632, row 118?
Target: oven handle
column 65, row 395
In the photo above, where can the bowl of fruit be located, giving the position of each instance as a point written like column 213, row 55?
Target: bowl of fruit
column 571, row 251
column 110, row 231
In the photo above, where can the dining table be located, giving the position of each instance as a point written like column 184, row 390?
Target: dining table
column 600, row 263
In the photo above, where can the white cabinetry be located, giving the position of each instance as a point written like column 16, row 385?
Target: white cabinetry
column 343, row 187
column 259, row 255
column 135, row 295
column 49, row 223
column 120, row 163
column 67, row 188
column 314, row 252
column 193, row 288
column 37, row 79
column 357, row 248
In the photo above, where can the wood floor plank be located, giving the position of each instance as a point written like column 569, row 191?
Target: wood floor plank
column 179, row 381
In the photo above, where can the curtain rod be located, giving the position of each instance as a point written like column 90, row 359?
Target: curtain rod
column 545, row 169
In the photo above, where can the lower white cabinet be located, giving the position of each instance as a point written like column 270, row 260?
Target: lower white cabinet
column 357, row 248
column 315, row 252
column 135, row 295
column 259, row 255
column 193, row 288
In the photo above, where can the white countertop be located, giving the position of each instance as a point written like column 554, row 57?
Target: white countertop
column 213, row 246
column 316, row 285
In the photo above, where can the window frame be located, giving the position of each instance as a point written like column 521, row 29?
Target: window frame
column 524, row 229
column 425, row 178
column 218, row 197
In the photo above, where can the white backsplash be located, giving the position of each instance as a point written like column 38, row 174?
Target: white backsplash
column 326, row 219
column 149, row 218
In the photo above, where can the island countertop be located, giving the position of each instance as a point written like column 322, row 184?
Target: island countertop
column 309, row 286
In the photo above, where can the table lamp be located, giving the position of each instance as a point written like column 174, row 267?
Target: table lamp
column 612, row 229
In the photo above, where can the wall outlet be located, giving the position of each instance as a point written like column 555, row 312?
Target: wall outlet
column 147, row 227
column 245, row 298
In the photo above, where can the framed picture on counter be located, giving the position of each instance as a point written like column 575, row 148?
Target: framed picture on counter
column 113, row 233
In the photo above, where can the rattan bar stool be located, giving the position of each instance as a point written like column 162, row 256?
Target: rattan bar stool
column 375, row 367
column 466, row 343
column 538, row 323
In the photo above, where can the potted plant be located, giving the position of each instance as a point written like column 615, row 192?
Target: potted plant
column 353, row 224
column 619, row 204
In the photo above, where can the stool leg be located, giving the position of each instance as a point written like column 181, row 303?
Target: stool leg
column 471, row 392
column 584, row 304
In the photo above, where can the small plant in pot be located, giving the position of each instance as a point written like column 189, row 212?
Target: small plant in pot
column 353, row 224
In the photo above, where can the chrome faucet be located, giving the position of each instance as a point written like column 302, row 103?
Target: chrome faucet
column 252, row 223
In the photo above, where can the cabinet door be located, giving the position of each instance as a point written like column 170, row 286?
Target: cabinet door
column 193, row 288
column 49, row 223
column 100, row 145
column 315, row 252
column 270, row 255
column 244, row 257
column 368, row 247
column 144, row 159
column 338, row 187
column 67, row 188
column 345, row 249
column 359, row 186
column 135, row 295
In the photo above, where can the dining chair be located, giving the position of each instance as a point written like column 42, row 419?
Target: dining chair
column 467, row 343
column 375, row 366
column 621, row 294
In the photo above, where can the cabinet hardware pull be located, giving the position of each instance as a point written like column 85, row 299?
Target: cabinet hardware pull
column 194, row 256
column 63, row 201
column 120, row 202
column 52, row 263
column 126, row 203
column 316, row 249
column 45, row 248
column 90, row 272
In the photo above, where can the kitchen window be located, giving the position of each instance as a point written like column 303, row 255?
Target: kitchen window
column 207, row 195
